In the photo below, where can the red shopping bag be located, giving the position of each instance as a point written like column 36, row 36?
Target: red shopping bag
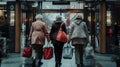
column 27, row 51
column 48, row 52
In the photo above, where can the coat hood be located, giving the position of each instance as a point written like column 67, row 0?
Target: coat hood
column 78, row 22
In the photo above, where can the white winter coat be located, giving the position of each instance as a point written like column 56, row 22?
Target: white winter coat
column 79, row 32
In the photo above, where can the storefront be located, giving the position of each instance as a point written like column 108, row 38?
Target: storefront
column 95, row 13
column 112, row 26
column 23, row 12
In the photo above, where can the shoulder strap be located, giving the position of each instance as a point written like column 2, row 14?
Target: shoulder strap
column 61, row 26
column 78, row 23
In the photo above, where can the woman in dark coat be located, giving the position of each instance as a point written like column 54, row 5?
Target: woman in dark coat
column 58, row 46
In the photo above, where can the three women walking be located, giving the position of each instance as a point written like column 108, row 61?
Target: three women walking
column 78, row 35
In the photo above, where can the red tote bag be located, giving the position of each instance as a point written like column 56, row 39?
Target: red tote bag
column 27, row 51
column 61, row 36
column 48, row 52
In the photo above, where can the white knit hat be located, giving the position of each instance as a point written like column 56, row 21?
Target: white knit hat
column 38, row 16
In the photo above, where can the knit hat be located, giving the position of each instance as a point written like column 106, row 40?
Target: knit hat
column 58, row 19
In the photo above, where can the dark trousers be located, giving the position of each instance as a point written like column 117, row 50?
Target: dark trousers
column 58, row 48
column 79, row 53
column 38, row 50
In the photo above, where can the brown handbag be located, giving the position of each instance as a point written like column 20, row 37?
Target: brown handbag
column 61, row 36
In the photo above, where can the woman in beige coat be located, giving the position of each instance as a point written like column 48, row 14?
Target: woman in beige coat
column 37, row 35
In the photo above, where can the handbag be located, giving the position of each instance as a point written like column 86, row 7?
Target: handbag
column 68, row 51
column 27, row 51
column 48, row 51
column 89, row 51
column 61, row 36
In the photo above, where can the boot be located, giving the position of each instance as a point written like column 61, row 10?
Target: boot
column 78, row 65
column 81, row 65
column 33, row 63
column 56, row 65
column 39, row 63
column 59, row 65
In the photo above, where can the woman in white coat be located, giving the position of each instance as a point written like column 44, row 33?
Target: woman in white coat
column 79, row 36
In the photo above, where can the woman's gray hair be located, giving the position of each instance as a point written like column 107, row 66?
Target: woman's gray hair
column 38, row 16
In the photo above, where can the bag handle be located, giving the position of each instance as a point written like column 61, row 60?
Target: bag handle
column 28, row 43
column 69, row 44
column 48, row 44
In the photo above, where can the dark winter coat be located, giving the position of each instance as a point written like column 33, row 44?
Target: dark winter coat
column 55, row 29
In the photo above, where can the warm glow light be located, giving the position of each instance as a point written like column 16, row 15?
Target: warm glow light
column 12, row 18
column 1, row 13
column 89, row 18
column 109, row 18
column 12, row 14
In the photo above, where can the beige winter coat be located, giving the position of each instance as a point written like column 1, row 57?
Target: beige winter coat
column 38, row 32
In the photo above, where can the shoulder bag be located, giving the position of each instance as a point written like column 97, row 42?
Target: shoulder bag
column 61, row 36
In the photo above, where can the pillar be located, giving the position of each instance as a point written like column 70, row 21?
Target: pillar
column 17, row 26
column 103, row 28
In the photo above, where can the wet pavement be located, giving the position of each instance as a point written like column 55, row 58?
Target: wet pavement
column 15, row 60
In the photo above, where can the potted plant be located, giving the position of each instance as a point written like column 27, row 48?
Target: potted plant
column 116, row 56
